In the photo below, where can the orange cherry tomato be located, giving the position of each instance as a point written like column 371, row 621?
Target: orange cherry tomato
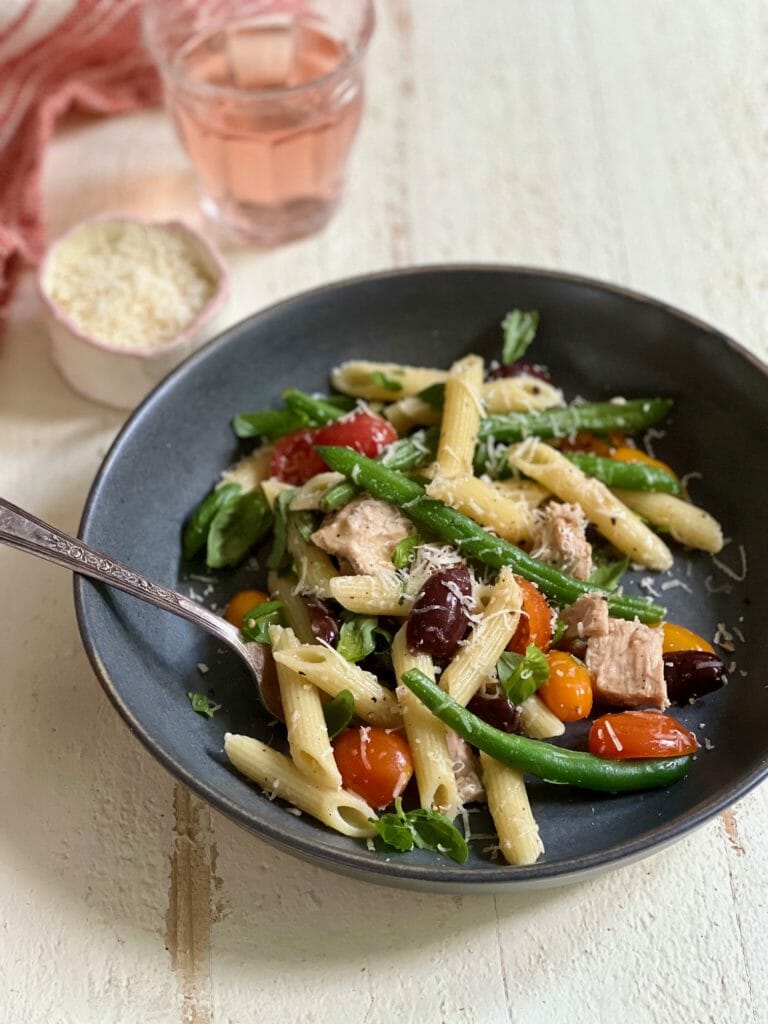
column 375, row 763
column 678, row 638
column 626, row 454
column 586, row 441
column 241, row 603
column 568, row 691
column 535, row 623
column 632, row 734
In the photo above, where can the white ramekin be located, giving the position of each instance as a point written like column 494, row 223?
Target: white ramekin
column 117, row 376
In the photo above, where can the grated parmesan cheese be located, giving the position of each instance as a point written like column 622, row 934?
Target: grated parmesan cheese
column 130, row 285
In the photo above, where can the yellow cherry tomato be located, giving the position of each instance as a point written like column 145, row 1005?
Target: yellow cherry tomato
column 568, row 691
column 678, row 638
column 627, row 454
column 241, row 603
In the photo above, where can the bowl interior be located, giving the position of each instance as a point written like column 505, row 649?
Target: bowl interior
column 598, row 342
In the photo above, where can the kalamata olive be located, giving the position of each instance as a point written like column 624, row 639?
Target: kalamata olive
column 496, row 711
column 575, row 645
column 439, row 617
column 324, row 623
column 690, row 674
column 519, row 370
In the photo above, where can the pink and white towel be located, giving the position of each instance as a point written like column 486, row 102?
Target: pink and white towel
column 54, row 55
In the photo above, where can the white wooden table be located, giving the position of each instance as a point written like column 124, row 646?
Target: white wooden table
column 623, row 140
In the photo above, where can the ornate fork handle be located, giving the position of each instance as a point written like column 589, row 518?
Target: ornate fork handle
column 20, row 529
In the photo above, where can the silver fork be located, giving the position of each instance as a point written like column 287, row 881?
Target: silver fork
column 20, row 529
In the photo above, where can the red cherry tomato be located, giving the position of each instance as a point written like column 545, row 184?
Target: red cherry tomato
column 535, row 625
column 362, row 431
column 375, row 763
column 631, row 734
column 295, row 460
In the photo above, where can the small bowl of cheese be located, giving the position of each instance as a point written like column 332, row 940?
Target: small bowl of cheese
column 126, row 300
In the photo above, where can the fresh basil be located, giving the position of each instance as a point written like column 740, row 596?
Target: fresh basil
column 428, row 830
column 608, row 575
column 361, row 635
column 521, row 675
column 434, row 396
column 385, row 382
column 519, row 329
column 203, row 705
column 237, row 527
column 269, row 423
column 404, row 550
column 196, row 530
column 257, row 621
column 339, row 712
column 278, row 556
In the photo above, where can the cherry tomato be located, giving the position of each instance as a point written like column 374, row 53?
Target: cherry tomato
column 362, row 431
column 586, row 441
column 375, row 763
column 568, row 691
column 631, row 734
column 626, row 454
column 241, row 603
column 678, row 638
column 535, row 625
column 295, row 460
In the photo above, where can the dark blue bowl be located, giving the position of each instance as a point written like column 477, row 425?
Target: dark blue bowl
column 599, row 341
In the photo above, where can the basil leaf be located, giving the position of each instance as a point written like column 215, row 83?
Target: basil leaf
column 196, row 530
column 278, row 555
column 403, row 553
column 433, row 831
column 519, row 328
column 394, row 831
column 269, row 423
column 237, row 527
column 434, row 396
column 385, row 382
column 522, row 675
column 339, row 712
column 359, row 636
column 608, row 575
column 202, row 705
column 257, row 621
column 561, row 628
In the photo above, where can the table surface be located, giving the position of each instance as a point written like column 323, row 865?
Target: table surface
column 626, row 141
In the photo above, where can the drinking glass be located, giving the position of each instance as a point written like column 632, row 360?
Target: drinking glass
column 266, row 97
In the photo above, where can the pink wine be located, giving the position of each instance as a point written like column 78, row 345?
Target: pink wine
column 267, row 123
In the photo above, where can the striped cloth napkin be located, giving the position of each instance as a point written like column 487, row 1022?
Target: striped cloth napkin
column 56, row 54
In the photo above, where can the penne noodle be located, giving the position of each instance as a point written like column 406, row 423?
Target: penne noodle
column 284, row 588
column 313, row 566
column 432, row 763
column 687, row 523
column 250, row 471
column 365, row 379
column 519, row 839
column 308, row 740
column 278, row 776
column 525, row 393
column 310, row 494
column 526, row 491
column 272, row 488
column 331, row 673
column 382, row 594
column 461, row 418
column 410, row 412
column 537, row 721
column 613, row 519
column 480, row 500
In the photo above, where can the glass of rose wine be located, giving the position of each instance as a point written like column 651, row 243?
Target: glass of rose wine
column 266, row 97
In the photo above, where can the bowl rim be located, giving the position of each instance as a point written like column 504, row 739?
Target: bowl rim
column 453, row 878
column 203, row 316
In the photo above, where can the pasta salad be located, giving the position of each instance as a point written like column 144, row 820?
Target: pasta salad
column 444, row 550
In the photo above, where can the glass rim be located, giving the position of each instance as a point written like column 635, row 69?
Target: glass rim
column 171, row 69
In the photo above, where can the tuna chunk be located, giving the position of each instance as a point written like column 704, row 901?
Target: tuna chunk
column 627, row 666
column 562, row 539
column 466, row 768
column 364, row 533
column 587, row 616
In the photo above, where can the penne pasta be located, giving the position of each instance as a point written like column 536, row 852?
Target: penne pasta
column 313, row 566
column 272, row 488
column 284, row 588
column 309, row 495
column 331, row 673
column 382, row 594
column 524, row 393
column 537, row 721
column 526, row 491
column 687, row 523
column 276, row 774
column 308, row 740
column 461, row 419
column 410, row 412
column 383, row 381
column 476, row 660
column 432, row 763
column 613, row 519
column 513, row 520
column 250, row 471
column 519, row 839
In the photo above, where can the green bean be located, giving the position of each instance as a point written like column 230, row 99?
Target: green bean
column 269, row 423
column 601, row 417
column 316, row 411
column 403, row 454
column 469, row 537
column 633, row 476
column 545, row 761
